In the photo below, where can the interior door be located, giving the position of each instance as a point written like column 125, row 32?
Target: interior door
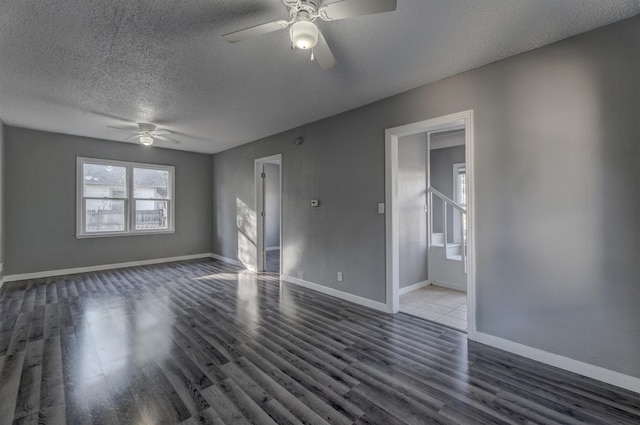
column 263, row 217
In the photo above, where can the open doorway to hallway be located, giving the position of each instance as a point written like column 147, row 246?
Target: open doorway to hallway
column 443, row 197
column 430, row 255
column 269, row 200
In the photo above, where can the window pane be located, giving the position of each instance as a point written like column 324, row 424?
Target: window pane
column 104, row 215
column 461, row 189
column 150, row 184
column 104, row 181
column 151, row 215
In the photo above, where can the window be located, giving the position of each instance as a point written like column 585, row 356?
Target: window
column 460, row 196
column 123, row 198
column 460, row 183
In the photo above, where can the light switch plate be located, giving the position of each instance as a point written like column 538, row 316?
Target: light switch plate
column 381, row 208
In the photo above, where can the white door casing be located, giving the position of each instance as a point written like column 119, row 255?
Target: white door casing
column 392, row 135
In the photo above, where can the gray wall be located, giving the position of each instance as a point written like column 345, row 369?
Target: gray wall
column 40, row 194
column 556, row 159
column 272, row 205
column 339, row 164
column 442, row 161
column 412, row 197
column 2, row 183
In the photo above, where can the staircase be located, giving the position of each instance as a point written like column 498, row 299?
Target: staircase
column 454, row 250
column 447, row 249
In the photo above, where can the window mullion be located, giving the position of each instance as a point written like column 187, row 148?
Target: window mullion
column 129, row 202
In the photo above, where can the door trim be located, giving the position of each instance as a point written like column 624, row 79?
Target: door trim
column 392, row 135
column 259, row 207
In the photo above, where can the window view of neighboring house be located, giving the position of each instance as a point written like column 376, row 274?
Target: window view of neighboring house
column 120, row 197
column 104, row 191
column 150, row 191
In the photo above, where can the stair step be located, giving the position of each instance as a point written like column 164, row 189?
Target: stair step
column 453, row 249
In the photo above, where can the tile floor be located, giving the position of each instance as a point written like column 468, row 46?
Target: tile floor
column 440, row 305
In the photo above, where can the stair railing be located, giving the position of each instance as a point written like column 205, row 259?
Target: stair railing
column 462, row 216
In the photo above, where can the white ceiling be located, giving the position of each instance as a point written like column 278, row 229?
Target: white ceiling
column 76, row 66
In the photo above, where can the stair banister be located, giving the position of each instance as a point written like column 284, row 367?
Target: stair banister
column 463, row 211
column 448, row 200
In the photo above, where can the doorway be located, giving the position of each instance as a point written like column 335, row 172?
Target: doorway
column 268, row 182
column 428, row 245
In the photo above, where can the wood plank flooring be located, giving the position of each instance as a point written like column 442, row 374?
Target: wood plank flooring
column 202, row 342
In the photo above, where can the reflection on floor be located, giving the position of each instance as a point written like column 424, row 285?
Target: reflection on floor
column 440, row 305
column 205, row 342
column 273, row 261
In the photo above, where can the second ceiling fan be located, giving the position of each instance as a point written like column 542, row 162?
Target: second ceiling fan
column 304, row 33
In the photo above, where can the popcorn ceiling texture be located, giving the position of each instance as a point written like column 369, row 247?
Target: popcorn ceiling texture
column 76, row 66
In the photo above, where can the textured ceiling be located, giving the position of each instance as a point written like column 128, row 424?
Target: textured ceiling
column 76, row 66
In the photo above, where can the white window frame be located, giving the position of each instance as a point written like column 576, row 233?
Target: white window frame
column 129, row 200
column 456, row 197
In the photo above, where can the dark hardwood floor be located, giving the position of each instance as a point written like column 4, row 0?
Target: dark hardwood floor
column 204, row 342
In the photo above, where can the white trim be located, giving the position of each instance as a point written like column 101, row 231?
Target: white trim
column 446, row 143
column 335, row 293
column 585, row 369
column 414, row 287
column 450, row 285
column 76, row 270
column 258, row 167
column 471, row 225
column 448, row 122
column 129, row 201
column 272, row 248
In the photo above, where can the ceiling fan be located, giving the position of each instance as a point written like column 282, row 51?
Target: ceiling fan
column 147, row 133
column 304, row 33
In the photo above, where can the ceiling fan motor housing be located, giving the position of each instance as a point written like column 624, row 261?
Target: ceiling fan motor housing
column 146, row 127
column 303, row 32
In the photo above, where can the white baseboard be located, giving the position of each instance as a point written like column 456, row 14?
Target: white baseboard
column 450, row 285
column 376, row 305
column 413, row 287
column 232, row 261
column 76, row 270
column 272, row 248
column 585, row 369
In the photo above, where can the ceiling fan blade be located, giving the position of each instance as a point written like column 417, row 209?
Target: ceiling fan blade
column 349, row 8
column 167, row 139
column 129, row 128
column 323, row 53
column 161, row 132
column 234, row 37
column 135, row 136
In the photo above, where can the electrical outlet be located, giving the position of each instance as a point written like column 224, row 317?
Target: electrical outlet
column 339, row 276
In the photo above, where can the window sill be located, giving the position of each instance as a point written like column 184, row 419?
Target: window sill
column 110, row 235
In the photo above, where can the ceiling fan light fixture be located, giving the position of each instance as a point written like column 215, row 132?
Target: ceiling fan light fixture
column 146, row 139
column 304, row 35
